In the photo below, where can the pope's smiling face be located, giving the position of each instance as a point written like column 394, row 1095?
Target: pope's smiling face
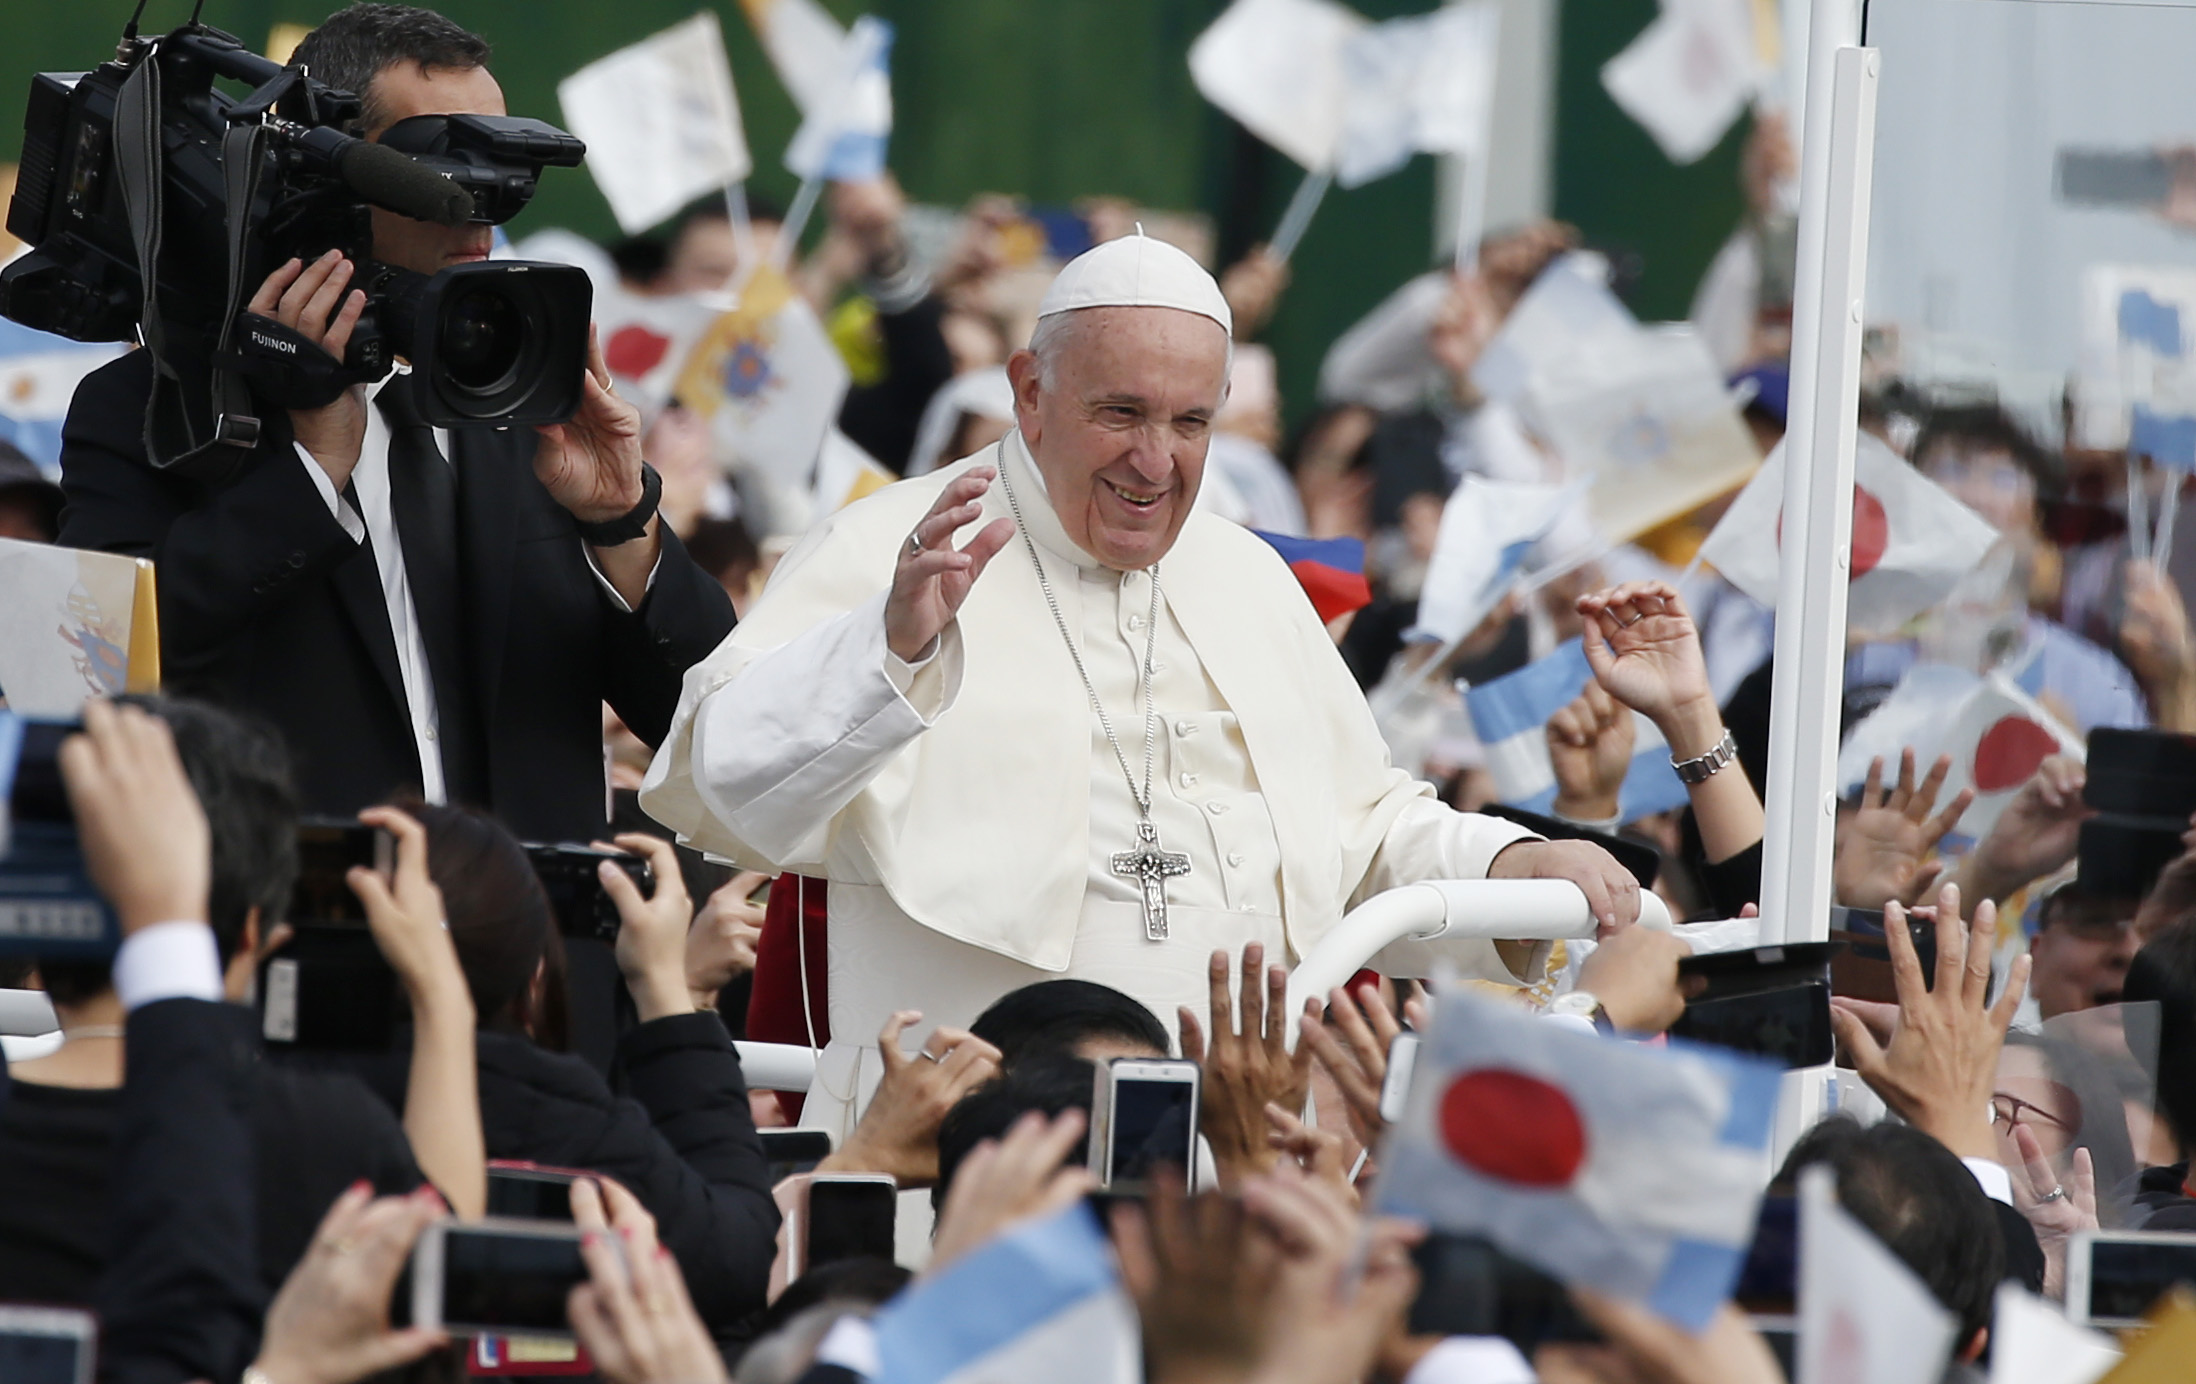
column 1118, row 412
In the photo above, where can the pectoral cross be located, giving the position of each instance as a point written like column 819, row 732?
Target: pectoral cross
column 1151, row 868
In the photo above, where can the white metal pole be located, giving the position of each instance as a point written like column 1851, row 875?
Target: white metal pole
column 1836, row 168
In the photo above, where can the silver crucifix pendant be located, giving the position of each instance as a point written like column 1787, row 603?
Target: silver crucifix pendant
column 1151, row 868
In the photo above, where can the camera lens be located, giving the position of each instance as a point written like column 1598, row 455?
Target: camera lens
column 481, row 341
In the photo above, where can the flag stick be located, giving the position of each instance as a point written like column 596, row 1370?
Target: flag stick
column 2138, row 510
column 1298, row 218
column 1471, row 221
column 2161, row 548
column 796, row 221
column 743, row 224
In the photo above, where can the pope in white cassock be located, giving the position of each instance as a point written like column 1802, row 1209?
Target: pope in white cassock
column 1032, row 716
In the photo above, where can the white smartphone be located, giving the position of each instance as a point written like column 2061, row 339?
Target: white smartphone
column 1144, row 1115
column 46, row 1345
column 1395, row 1087
column 841, row 1216
column 496, row 1277
column 2114, row 1276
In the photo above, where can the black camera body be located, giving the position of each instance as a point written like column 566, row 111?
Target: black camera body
column 48, row 904
column 156, row 203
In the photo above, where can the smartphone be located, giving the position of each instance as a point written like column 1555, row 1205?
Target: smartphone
column 1862, row 970
column 529, row 1192
column 328, row 988
column 2114, row 177
column 1468, row 1287
column 794, row 1151
column 843, row 1216
column 47, row 1345
column 582, row 906
column 1395, row 1087
column 48, row 906
column 1772, row 1002
column 327, row 850
column 2114, row 1276
column 1144, row 1116
column 496, row 1277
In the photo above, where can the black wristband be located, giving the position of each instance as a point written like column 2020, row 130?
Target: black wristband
column 628, row 527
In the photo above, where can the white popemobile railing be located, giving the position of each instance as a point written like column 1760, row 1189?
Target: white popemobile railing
column 1403, row 933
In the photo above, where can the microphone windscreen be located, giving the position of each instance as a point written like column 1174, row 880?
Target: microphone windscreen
column 394, row 181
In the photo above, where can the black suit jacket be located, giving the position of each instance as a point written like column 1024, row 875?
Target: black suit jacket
column 267, row 606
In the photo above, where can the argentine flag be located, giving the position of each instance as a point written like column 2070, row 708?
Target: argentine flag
column 39, row 373
column 1040, row 1303
column 844, row 137
column 1510, row 716
column 1632, row 1170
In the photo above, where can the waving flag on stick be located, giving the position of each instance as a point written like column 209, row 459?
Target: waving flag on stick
column 768, row 377
column 661, row 121
column 1632, row 1170
column 1332, row 571
column 1912, row 542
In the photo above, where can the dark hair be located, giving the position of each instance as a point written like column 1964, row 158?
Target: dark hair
column 845, row 1282
column 1055, row 1016
column 1988, row 425
column 241, row 774
column 1050, row 1083
column 2165, row 971
column 721, row 545
column 353, row 46
column 1919, row 1199
column 640, row 259
column 500, row 921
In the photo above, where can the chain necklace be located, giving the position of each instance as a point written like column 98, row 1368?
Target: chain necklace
column 1148, row 864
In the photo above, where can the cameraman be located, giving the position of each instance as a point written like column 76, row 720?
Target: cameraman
column 441, row 612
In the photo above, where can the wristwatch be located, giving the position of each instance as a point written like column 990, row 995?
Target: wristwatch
column 1703, row 767
column 1582, row 1004
column 634, row 524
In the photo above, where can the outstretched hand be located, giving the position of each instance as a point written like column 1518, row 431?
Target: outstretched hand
column 1645, row 650
column 932, row 577
column 1883, row 850
column 1245, row 1070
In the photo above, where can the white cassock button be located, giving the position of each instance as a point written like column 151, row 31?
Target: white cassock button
column 1136, row 622
column 1185, row 728
column 1189, row 780
column 1217, row 809
column 1235, row 857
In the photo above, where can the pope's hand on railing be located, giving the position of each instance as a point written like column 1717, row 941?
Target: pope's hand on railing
column 1612, row 892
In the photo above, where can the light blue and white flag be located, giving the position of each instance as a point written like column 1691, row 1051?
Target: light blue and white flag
column 1041, row 1303
column 1632, row 1170
column 39, row 373
column 1510, row 716
column 844, row 138
column 1488, row 528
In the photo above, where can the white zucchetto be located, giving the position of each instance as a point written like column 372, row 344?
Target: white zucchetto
column 1136, row 271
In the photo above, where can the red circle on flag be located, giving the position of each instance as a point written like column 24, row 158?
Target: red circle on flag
column 2009, row 752
column 634, row 351
column 1871, row 533
column 1514, row 1127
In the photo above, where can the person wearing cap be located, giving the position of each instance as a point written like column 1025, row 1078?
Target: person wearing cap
column 1032, row 716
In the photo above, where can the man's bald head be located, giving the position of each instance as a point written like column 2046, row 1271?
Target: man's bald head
column 1116, row 404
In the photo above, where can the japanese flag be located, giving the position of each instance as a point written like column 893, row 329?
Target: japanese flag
column 647, row 338
column 1995, row 733
column 1864, row 1318
column 1632, row 1170
column 1912, row 542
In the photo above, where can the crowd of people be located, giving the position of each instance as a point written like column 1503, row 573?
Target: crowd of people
column 871, row 790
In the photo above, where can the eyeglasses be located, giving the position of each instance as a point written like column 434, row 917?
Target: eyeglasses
column 2009, row 1110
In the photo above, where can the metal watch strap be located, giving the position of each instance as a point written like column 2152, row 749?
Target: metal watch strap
column 1704, row 767
column 626, row 528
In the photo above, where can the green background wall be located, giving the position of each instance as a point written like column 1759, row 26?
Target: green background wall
column 1055, row 100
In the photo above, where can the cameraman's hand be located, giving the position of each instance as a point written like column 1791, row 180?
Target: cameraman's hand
column 592, row 464
column 310, row 300
column 145, row 839
column 652, row 939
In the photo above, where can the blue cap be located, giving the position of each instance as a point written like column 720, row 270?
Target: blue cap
column 1770, row 389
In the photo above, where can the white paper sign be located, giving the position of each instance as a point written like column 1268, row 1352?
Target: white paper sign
column 661, row 121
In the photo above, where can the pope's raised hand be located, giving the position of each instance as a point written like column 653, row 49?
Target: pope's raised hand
column 932, row 577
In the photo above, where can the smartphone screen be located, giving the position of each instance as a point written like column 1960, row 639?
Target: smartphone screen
column 530, row 1194
column 1395, row 1087
column 46, row 1345
column 850, row 1220
column 1789, row 1024
column 509, row 1280
column 2129, row 1273
column 1154, row 1124
column 794, row 1151
column 2114, row 178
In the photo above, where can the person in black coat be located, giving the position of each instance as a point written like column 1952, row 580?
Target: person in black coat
column 439, row 612
column 671, row 1123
